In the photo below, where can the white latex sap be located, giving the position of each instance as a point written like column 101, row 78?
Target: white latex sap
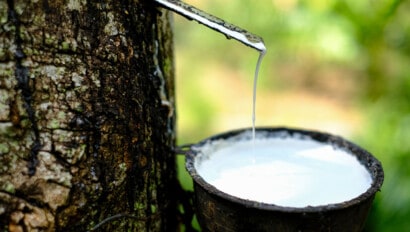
column 289, row 172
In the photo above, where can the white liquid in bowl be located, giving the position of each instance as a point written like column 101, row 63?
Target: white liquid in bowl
column 289, row 172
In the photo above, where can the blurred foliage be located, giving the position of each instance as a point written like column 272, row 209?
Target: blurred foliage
column 382, row 32
column 365, row 45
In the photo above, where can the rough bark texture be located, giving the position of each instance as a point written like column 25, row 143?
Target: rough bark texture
column 86, row 116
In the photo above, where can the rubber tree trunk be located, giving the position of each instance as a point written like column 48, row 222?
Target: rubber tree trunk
column 86, row 116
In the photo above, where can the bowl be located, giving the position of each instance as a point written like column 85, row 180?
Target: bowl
column 219, row 211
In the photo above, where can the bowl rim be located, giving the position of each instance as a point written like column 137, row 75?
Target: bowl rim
column 365, row 158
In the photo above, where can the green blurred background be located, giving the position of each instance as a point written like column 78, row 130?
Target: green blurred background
column 336, row 66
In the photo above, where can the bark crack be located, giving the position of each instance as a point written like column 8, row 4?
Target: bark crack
column 23, row 84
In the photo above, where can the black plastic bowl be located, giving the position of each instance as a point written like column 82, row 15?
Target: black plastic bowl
column 218, row 211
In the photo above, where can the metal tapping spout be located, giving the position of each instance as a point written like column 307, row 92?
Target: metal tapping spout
column 229, row 30
column 215, row 23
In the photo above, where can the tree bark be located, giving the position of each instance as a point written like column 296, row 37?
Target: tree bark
column 86, row 116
